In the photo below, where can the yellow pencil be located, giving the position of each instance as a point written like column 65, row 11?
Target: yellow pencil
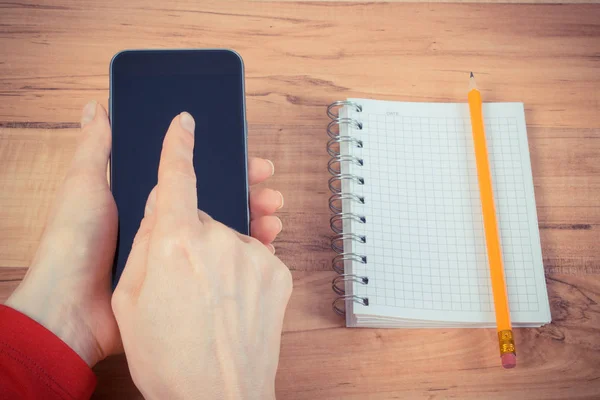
column 508, row 353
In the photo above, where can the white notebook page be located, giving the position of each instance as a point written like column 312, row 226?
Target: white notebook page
column 425, row 245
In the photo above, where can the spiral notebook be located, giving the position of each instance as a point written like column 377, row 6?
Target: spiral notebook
column 407, row 215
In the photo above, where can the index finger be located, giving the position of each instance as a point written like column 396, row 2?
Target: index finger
column 176, row 196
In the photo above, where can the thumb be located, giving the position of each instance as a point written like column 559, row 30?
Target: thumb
column 85, row 186
column 93, row 152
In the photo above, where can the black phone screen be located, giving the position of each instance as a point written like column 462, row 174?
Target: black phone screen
column 148, row 88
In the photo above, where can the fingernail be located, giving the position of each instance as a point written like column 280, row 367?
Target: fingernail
column 187, row 122
column 280, row 224
column 272, row 167
column 88, row 113
column 271, row 248
column 282, row 201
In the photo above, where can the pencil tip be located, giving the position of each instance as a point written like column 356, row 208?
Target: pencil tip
column 472, row 84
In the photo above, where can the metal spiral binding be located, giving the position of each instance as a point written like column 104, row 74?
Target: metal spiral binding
column 337, row 180
column 342, row 311
column 338, row 261
column 337, row 221
column 334, row 166
column 338, row 160
column 347, row 277
column 339, row 197
column 340, row 139
column 337, row 242
column 341, row 103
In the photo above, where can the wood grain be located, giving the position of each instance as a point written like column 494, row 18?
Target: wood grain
column 299, row 57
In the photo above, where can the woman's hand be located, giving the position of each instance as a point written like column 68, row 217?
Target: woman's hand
column 67, row 287
column 200, row 307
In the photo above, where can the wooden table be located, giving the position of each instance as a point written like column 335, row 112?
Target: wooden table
column 299, row 57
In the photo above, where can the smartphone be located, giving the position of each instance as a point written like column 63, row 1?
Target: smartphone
column 148, row 88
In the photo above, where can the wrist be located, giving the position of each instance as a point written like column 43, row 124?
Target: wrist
column 65, row 322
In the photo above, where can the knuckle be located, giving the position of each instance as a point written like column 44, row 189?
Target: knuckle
column 143, row 233
column 204, row 217
column 141, row 237
column 177, row 240
column 145, row 224
column 212, row 225
column 119, row 300
column 283, row 276
column 217, row 232
column 249, row 239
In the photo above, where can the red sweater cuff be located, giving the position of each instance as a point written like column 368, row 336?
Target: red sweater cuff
column 36, row 364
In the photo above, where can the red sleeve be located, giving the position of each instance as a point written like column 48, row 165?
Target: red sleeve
column 36, row 364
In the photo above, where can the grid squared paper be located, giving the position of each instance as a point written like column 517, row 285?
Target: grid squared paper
column 425, row 241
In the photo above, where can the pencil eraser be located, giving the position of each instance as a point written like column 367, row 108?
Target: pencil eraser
column 509, row 360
